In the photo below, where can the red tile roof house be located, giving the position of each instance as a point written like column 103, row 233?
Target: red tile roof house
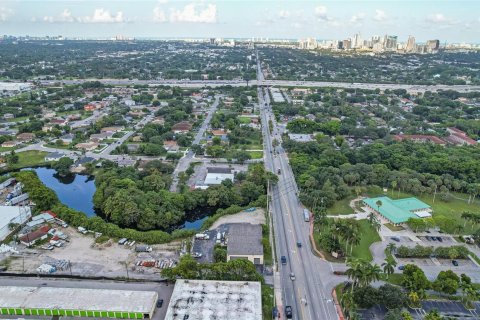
column 182, row 127
column 420, row 138
column 459, row 137
column 30, row 238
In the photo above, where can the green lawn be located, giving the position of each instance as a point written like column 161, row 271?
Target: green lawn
column 17, row 119
column 341, row 207
column 368, row 236
column 3, row 149
column 452, row 208
column 267, row 301
column 393, row 227
column 244, row 120
column 256, row 154
column 29, row 158
column 395, row 278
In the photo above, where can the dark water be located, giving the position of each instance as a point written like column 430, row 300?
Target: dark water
column 194, row 219
column 74, row 190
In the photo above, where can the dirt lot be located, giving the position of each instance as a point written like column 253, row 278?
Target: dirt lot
column 255, row 217
column 90, row 259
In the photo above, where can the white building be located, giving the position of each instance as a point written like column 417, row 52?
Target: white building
column 220, row 300
column 215, row 175
column 12, row 215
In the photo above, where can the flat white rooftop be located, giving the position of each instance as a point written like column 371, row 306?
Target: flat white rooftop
column 77, row 299
column 220, row 300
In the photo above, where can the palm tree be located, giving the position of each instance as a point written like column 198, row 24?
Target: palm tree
column 355, row 270
column 389, row 266
column 391, row 247
column 377, row 225
column 372, row 273
column 379, row 204
column 394, row 185
column 371, row 218
column 354, row 238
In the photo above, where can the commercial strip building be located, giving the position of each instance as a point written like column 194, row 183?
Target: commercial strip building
column 95, row 303
column 398, row 211
column 245, row 242
column 220, row 300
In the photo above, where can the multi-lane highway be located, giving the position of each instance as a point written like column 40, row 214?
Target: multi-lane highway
column 263, row 82
column 308, row 295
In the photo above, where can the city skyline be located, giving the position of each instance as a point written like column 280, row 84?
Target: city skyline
column 450, row 21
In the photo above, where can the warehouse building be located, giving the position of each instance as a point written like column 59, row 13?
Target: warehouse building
column 11, row 216
column 245, row 242
column 220, row 300
column 73, row 302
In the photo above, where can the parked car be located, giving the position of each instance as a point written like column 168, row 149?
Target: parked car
column 288, row 312
column 455, row 263
column 440, row 239
column 160, row 303
column 397, row 239
column 401, row 267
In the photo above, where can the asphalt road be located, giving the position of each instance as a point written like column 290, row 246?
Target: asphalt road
column 290, row 229
column 185, row 161
column 262, row 82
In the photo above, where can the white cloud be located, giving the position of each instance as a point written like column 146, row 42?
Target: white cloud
column 357, row 18
column 159, row 15
column 103, row 16
column 194, row 12
column 284, row 14
column 5, row 13
column 441, row 19
column 65, row 16
column 380, row 15
column 321, row 12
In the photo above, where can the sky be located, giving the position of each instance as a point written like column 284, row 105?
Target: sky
column 446, row 20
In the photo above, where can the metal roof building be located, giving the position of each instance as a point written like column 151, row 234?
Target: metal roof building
column 96, row 303
column 245, row 242
column 399, row 211
column 12, row 215
column 211, row 299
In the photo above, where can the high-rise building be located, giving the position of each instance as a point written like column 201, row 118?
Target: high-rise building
column 433, row 45
column 357, row 41
column 347, row 44
column 410, row 47
column 390, row 43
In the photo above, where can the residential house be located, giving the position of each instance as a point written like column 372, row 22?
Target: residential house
column 7, row 116
column 133, row 147
column 79, row 165
column 171, row 146
column 11, row 144
column 421, row 138
column 67, row 138
column 31, row 238
column 54, row 156
column 59, row 121
column 97, row 137
column 182, row 127
column 111, row 129
column 25, row 137
column 458, row 137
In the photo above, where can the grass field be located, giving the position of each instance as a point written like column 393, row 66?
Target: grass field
column 341, row 207
column 368, row 236
column 256, row 154
column 452, row 208
column 244, row 120
column 267, row 302
column 28, row 159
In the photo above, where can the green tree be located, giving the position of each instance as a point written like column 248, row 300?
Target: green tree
column 389, row 266
column 63, row 166
column 414, row 279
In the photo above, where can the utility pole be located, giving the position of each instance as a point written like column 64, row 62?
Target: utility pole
column 126, row 268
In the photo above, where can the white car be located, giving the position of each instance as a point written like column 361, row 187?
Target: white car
column 292, row 276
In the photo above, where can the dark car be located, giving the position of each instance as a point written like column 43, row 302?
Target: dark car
column 274, row 313
column 284, row 260
column 440, row 239
column 401, row 267
column 299, row 244
column 455, row 263
column 396, row 239
column 288, row 312
column 160, row 303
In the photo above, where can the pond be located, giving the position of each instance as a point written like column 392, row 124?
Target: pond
column 75, row 190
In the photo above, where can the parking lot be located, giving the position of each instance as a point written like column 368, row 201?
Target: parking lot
column 206, row 247
column 437, row 239
column 398, row 239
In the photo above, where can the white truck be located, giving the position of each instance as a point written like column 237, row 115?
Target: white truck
column 202, row 236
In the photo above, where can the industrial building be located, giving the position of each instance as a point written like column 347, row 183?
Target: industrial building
column 398, row 211
column 245, row 242
column 12, row 215
column 216, row 175
column 220, row 300
column 95, row 303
